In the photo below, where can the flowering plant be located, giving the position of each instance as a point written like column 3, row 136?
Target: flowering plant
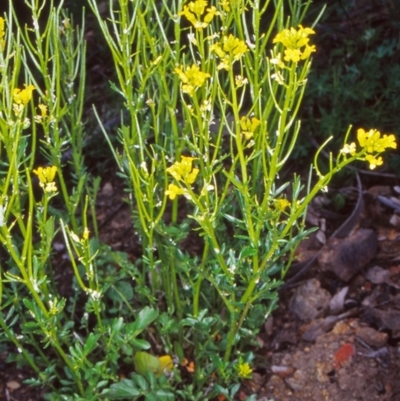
column 210, row 121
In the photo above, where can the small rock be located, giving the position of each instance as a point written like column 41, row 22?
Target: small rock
column 13, row 385
column 372, row 337
column 282, row 371
column 107, row 189
column 378, row 275
column 345, row 257
column 383, row 319
column 310, row 300
column 297, row 381
column 336, row 304
column 344, row 355
column 318, row 327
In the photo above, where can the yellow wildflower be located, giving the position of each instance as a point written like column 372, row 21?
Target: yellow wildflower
column 43, row 110
column 173, row 191
column 2, row 33
column 225, row 5
column 234, row 46
column 282, row 204
column 211, row 12
column 192, row 78
column 86, row 234
column 294, row 40
column 46, row 177
column 244, row 370
column 249, row 126
column 195, row 10
column 232, row 50
column 240, row 81
column 183, row 171
column 23, row 96
column 373, row 161
column 371, row 141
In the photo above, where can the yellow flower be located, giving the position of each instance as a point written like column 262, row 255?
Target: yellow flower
column 372, row 142
column 249, row 126
column 46, row 177
column 282, row 204
column 292, row 55
column 43, row 110
column 2, row 27
column 173, row 191
column 86, row 234
column 240, row 81
column 23, row 96
column 2, row 33
column 198, row 6
column 192, row 78
column 234, row 46
column 244, row 370
column 294, row 40
column 183, row 171
column 349, row 149
column 195, row 10
column 373, row 161
column 389, row 141
column 225, row 5
column 232, row 50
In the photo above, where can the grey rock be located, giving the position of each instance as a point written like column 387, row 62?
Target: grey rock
column 345, row 257
column 310, row 301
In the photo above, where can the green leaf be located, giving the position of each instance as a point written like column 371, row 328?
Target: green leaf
column 140, row 344
column 141, row 382
column 121, row 291
column 146, row 316
column 247, row 251
column 160, row 395
column 145, row 362
column 91, row 343
column 125, row 389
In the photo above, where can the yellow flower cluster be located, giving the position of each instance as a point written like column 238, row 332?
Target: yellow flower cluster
column 282, row 204
column 231, row 50
column 192, row 78
column 296, row 44
column 22, row 97
column 43, row 116
column 226, row 6
column 249, row 126
column 194, row 12
column 181, row 171
column 2, row 33
column 372, row 143
column 46, row 177
column 244, row 370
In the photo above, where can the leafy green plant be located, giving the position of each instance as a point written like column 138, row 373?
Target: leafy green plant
column 209, row 101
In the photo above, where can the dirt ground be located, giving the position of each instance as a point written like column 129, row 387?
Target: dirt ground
column 335, row 335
